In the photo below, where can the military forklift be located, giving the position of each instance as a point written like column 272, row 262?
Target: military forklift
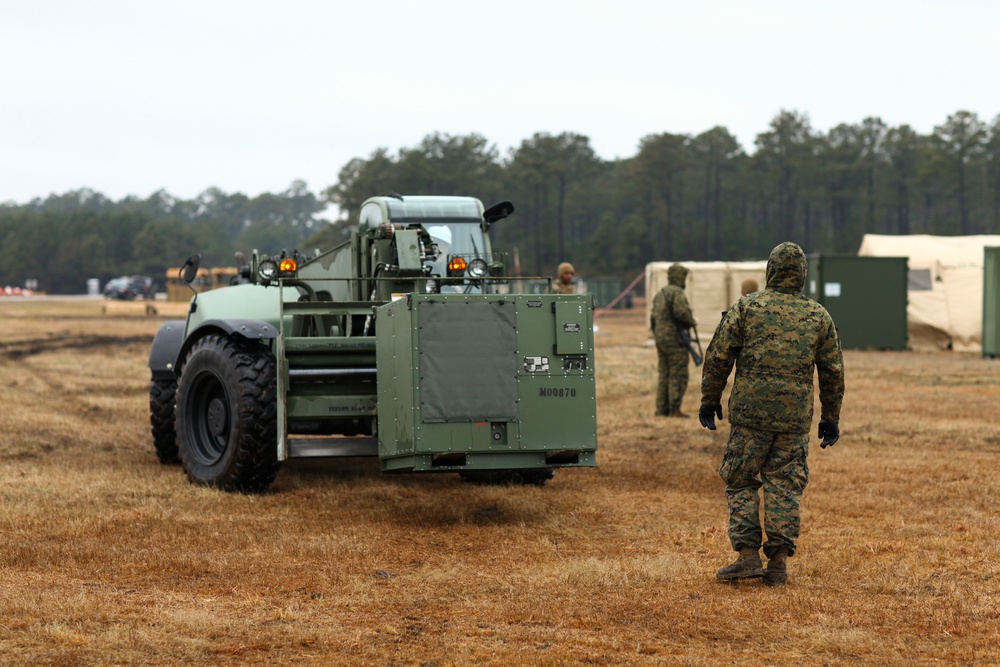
column 408, row 342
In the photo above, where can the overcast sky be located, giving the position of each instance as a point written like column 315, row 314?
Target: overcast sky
column 128, row 96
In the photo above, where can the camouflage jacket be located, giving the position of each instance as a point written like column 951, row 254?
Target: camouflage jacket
column 558, row 287
column 775, row 337
column 671, row 299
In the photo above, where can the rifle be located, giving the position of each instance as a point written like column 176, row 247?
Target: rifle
column 684, row 338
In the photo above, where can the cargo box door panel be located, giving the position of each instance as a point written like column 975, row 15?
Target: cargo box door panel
column 557, row 412
column 572, row 328
column 468, row 364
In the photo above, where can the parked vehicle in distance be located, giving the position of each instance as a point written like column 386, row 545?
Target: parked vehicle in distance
column 130, row 287
column 142, row 287
column 118, row 288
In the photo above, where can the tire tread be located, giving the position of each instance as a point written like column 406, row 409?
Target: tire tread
column 254, row 465
column 162, row 397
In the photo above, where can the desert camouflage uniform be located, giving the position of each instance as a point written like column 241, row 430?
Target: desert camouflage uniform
column 775, row 337
column 673, row 359
column 558, row 286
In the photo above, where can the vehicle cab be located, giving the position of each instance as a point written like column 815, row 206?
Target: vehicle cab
column 461, row 259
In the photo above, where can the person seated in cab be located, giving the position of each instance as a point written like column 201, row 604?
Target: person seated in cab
column 565, row 282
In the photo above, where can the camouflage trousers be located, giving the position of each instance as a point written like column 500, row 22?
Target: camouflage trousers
column 776, row 461
column 673, row 379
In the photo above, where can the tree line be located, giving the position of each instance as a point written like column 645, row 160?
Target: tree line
column 63, row 240
column 680, row 197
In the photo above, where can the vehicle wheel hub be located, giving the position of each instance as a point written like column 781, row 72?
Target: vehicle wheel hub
column 216, row 417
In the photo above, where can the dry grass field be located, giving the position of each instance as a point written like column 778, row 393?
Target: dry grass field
column 107, row 557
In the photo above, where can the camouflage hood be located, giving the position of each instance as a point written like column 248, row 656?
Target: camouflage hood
column 677, row 275
column 786, row 268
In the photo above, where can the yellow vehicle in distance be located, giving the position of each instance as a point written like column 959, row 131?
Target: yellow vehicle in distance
column 207, row 279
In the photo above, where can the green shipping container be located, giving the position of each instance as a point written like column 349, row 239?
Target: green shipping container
column 866, row 296
column 991, row 302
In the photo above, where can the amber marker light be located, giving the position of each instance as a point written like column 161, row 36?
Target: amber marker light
column 288, row 265
column 456, row 266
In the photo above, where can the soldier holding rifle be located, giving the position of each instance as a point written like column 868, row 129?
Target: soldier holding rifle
column 670, row 320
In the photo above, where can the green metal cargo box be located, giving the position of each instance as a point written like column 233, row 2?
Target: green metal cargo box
column 518, row 384
column 866, row 296
column 991, row 302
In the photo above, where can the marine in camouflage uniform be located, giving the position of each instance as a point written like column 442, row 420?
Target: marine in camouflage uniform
column 775, row 337
column 670, row 309
column 565, row 282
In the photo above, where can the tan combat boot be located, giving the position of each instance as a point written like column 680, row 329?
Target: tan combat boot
column 776, row 574
column 747, row 566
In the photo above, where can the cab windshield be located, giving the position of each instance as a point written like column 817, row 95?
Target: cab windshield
column 455, row 238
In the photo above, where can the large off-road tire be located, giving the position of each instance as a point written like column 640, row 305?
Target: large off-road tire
column 227, row 414
column 162, row 420
column 509, row 477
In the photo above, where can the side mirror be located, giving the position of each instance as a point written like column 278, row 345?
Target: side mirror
column 189, row 271
column 498, row 212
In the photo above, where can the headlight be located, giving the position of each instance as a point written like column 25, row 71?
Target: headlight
column 478, row 268
column 267, row 269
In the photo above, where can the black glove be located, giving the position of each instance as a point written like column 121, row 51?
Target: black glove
column 830, row 433
column 707, row 412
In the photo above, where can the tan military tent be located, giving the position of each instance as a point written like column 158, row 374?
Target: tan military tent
column 945, row 286
column 711, row 288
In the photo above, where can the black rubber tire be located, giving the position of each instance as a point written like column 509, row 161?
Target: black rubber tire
column 227, row 415
column 509, row 477
column 162, row 420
